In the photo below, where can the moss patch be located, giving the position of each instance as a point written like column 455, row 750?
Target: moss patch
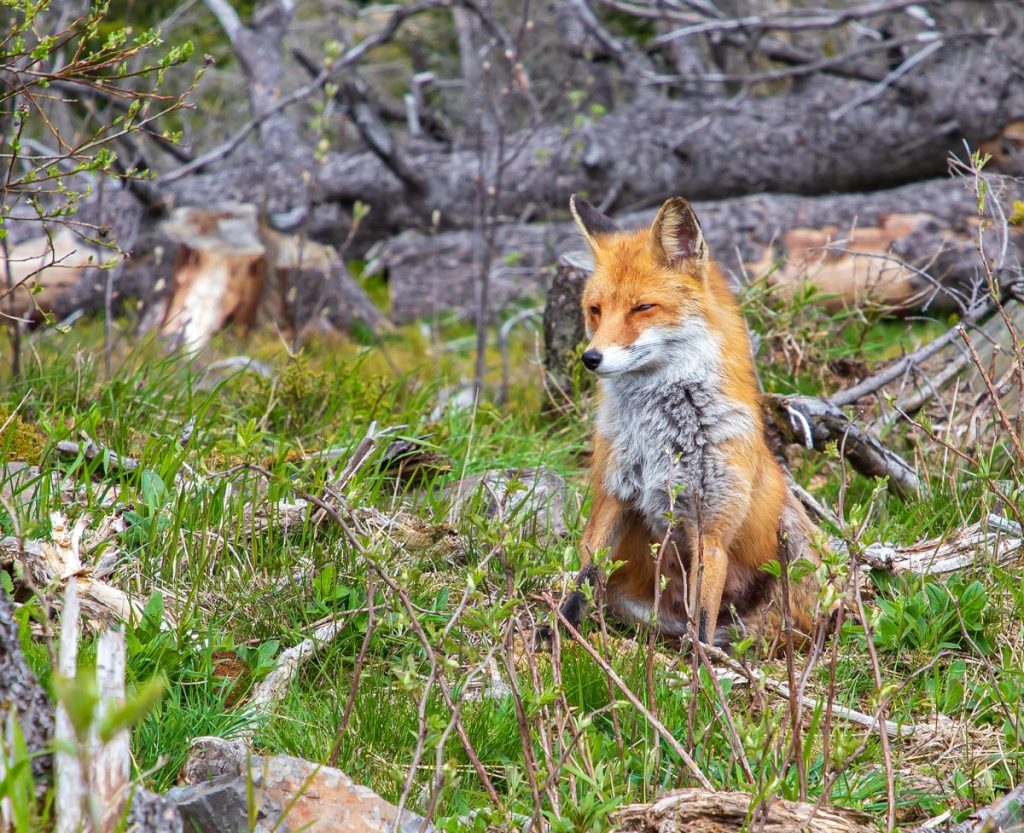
column 19, row 440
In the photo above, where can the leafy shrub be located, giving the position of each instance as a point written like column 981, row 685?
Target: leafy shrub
column 935, row 616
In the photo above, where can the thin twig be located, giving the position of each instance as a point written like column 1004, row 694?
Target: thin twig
column 993, row 394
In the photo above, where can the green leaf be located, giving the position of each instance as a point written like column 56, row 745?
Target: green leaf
column 133, row 710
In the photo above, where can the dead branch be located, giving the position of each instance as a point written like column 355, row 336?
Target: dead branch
column 781, row 690
column 817, row 423
column 901, row 367
column 51, row 564
column 325, row 76
column 665, row 734
column 273, row 688
column 356, row 97
column 994, row 538
column 90, row 451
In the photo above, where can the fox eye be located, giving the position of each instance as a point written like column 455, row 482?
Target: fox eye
column 644, row 307
column 595, row 310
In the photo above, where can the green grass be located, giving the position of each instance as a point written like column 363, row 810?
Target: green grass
column 239, row 599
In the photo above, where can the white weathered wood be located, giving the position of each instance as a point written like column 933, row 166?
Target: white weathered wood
column 272, row 688
column 55, row 561
column 67, row 766
column 996, row 536
column 110, row 771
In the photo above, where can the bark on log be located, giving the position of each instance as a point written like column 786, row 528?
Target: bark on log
column 311, row 284
column 702, row 811
column 808, row 421
column 563, row 323
column 927, row 227
column 20, row 690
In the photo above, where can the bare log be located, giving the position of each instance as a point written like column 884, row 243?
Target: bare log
column 995, row 538
column 705, row 811
column 908, row 247
column 41, row 269
column 311, row 282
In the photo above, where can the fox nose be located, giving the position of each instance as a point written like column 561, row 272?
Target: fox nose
column 592, row 359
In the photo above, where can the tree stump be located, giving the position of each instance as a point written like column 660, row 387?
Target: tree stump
column 232, row 268
column 563, row 321
column 219, row 273
column 311, row 285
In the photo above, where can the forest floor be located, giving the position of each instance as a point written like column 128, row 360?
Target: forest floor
column 202, row 540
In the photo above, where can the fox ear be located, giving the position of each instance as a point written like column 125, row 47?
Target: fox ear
column 589, row 220
column 676, row 234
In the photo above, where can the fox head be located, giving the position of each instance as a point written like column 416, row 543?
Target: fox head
column 645, row 303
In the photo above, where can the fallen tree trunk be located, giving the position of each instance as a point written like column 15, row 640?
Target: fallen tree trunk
column 41, row 269
column 803, row 141
column 906, row 247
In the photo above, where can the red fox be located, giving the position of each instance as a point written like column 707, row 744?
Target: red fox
column 680, row 460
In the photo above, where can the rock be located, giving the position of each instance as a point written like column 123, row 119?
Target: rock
column 217, row 806
column 292, row 795
column 536, row 495
column 151, row 813
column 211, row 757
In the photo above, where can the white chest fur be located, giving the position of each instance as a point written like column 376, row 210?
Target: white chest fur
column 666, row 431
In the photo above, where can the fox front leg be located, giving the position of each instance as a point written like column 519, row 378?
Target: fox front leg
column 706, row 584
column 574, row 608
column 599, row 534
